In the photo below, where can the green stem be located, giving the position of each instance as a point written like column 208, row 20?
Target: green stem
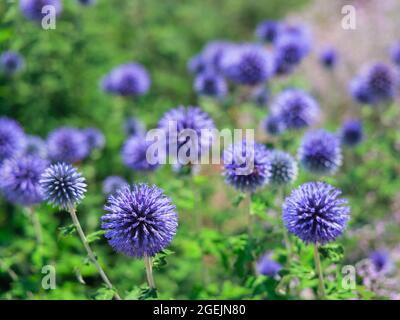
column 321, row 285
column 89, row 251
column 149, row 271
column 249, row 216
column 36, row 225
column 286, row 238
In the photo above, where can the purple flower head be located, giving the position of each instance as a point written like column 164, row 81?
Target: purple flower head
column 12, row 138
column 63, row 185
column 268, row 267
column 289, row 50
column 134, row 127
column 328, row 58
column 19, row 179
column 320, row 152
column 67, row 144
column 395, row 53
column 360, row 92
column 248, row 64
column 11, row 62
column 112, row 184
column 261, row 96
column 140, row 221
column 134, row 155
column 296, row 108
column 94, row 138
column 246, row 165
column 210, row 84
column 281, row 65
column 36, row 9
column 213, row 54
column 196, row 64
column 87, row 2
column 268, row 30
column 300, row 33
column 283, row 168
column 130, row 79
column 273, row 125
column 381, row 261
column 315, row 213
column 351, row 133
column 35, row 146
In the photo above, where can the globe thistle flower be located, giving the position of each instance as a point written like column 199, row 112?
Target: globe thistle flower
column 210, row 84
column 381, row 81
column 67, row 144
column 315, row 213
column 32, row 9
column 351, row 133
column 268, row 30
column 19, row 179
column 381, row 262
column 281, row 66
column 130, row 79
column 283, row 168
column 296, row 108
column 134, row 154
column 273, row 125
column 186, row 121
column 112, row 184
column 360, row 92
column 196, row 64
column 12, row 138
column 320, row 152
column 260, row 96
column 300, row 33
column 395, row 53
column 11, row 62
column 87, row 2
column 140, row 221
column 289, row 51
column 213, row 54
column 35, row 146
column 248, row 65
column 63, row 185
column 268, row 267
column 246, row 166
column 94, row 138
column 328, row 58
column 134, row 127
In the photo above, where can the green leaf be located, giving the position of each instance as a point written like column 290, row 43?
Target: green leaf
column 160, row 260
column 333, row 252
column 105, row 294
column 67, row 230
column 238, row 199
column 95, row 235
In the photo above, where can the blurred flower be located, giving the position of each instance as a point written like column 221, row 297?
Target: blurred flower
column 11, row 62
column 395, row 53
column 268, row 267
column 32, row 9
column 267, row 30
column 296, row 108
column 87, row 2
column 213, row 54
column 246, row 165
column 320, row 152
column 380, row 260
column 35, row 146
column 260, row 96
column 67, row 144
column 130, row 79
column 351, row 133
column 134, row 154
column 63, row 185
column 94, row 138
column 210, row 84
column 360, row 92
column 19, row 179
column 140, row 221
column 112, row 184
column 273, row 125
column 283, row 168
column 12, row 138
column 289, row 50
column 315, row 213
column 328, row 58
column 134, row 127
column 196, row 64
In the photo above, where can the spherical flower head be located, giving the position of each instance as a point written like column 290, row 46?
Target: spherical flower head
column 268, row 30
column 381, row 81
column 94, row 138
column 213, row 54
column 134, row 155
column 260, row 96
column 210, row 84
column 180, row 124
column 395, row 53
column 11, row 62
column 112, row 184
column 63, row 186
column 35, row 146
column 248, row 64
column 381, row 261
column 268, row 267
column 283, row 168
column 315, row 213
column 12, row 138
column 273, row 125
column 87, row 2
column 36, row 9
column 282, row 67
column 296, row 108
column 351, row 133
column 19, row 179
column 289, row 51
column 320, row 152
column 67, row 144
column 360, row 92
column 134, row 127
column 246, row 165
column 140, row 221
column 130, row 79
column 196, row 64
column 328, row 58
column 300, row 34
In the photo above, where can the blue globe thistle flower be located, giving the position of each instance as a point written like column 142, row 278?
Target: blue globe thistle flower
column 300, row 33
column 130, row 79
column 296, row 108
column 260, row 96
column 360, row 92
column 112, row 184
column 32, row 9
column 19, row 179
column 268, row 30
column 380, row 260
column 210, row 84
column 328, row 58
column 35, row 146
column 268, row 267
column 246, row 166
column 381, row 81
column 186, row 121
column 289, row 51
column 134, row 154
column 11, row 62
column 196, row 64
column 283, row 168
column 273, row 125
column 12, row 138
column 134, row 127
column 87, row 2
column 351, row 133
column 315, row 213
column 395, row 53
column 248, row 64
column 63, row 186
column 213, row 54
column 67, row 144
column 140, row 221
column 94, row 138
column 320, row 152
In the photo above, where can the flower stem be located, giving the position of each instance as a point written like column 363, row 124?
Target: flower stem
column 284, row 230
column 149, row 271
column 36, row 225
column 249, row 216
column 89, row 251
column 321, row 285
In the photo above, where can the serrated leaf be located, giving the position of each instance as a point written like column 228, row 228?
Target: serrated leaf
column 159, row 260
column 105, row 294
column 95, row 235
column 67, row 230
